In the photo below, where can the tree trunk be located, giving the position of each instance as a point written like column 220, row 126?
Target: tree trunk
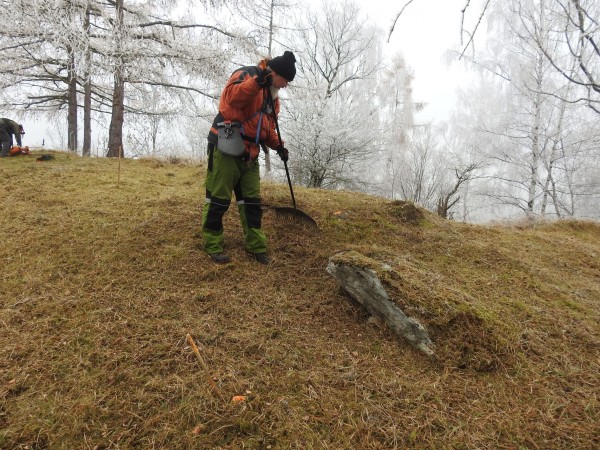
column 550, row 166
column 87, row 119
column 115, row 137
column 535, row 143
column 72, row 114
column 87, row 93
column 154, row 129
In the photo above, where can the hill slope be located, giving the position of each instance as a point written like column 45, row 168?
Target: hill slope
column 104, row 276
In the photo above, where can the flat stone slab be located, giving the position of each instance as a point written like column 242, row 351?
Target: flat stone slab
column 357, row 274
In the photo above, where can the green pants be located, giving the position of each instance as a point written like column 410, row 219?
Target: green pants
column 227, row 174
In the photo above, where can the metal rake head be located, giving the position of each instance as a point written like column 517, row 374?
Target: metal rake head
column 296, row 216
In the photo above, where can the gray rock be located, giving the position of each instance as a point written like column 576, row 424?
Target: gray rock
column 364, row 285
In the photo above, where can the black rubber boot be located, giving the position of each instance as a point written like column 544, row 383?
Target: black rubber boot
column 261, row 258
column 220, row 258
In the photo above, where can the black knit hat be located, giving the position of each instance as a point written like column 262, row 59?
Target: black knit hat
column 284, row 65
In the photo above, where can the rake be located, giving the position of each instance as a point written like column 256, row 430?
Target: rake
column 283, row 212
column 294, row 214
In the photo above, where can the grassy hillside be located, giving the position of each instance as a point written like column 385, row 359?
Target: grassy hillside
column 104, row 277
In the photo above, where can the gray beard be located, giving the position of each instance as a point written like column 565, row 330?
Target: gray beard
column 274, row 92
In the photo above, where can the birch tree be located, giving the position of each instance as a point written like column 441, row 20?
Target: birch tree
column 523, row 128
column 571, row 44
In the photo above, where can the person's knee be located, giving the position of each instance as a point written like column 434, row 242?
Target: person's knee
column 216, row 210
column 253, row 212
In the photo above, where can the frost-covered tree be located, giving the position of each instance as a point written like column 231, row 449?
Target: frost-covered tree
column 571, row 44
column 396, row 122
column 421, row 168
column 40, row 57
column 571, row 41
column 177, row 56
column 111, row 51
column 152, row 132
column 331, row 117
column 526, row 126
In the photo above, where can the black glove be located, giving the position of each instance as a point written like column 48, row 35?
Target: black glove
column 283, row 153
column 264, row 78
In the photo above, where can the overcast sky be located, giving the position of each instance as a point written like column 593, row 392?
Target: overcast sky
column 423, row 33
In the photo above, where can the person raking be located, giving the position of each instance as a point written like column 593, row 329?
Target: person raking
column 244, row 124
column 8, row 129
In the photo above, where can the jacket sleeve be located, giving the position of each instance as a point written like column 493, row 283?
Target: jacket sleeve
column 240, row 90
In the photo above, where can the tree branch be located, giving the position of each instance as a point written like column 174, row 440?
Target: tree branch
column 396, row 19
column 475, row 30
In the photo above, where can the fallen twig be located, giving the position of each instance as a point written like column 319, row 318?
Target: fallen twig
column 147, row 221
column 212, row 383
column 21, row 302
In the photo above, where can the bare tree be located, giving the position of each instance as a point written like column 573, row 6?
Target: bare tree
column 421, row 175
column 573, row 31
column 396, row 121
column 152, row 132
column 331, row 116
column 449, row 197
column 572, row 46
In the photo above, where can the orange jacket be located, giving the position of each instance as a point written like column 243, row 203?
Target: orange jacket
column 243, row 100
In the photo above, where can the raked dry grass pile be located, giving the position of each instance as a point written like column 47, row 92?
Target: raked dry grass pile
column 103, row 279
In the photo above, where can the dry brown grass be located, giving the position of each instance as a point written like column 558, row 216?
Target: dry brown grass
column 101, row 284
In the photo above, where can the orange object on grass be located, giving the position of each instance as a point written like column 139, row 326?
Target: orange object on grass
column 16, row 150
